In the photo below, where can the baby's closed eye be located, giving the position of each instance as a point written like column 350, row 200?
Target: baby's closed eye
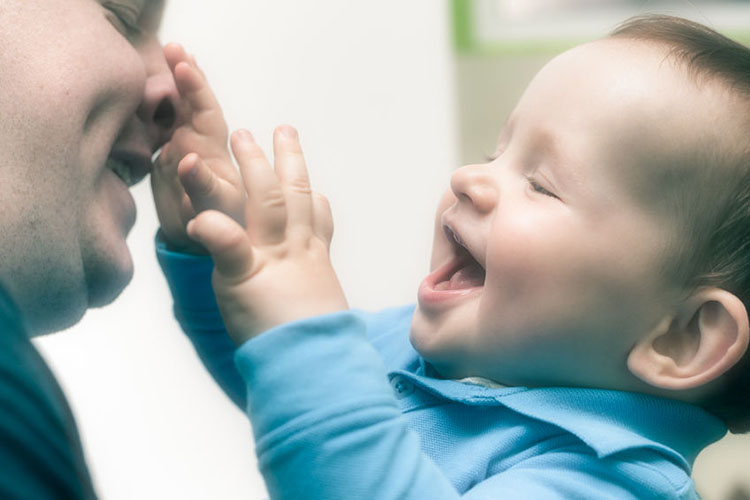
column 539, row 188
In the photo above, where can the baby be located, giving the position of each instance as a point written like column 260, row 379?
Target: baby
column 583, row 333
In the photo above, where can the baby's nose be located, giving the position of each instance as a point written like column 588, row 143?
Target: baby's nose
column 475, row 184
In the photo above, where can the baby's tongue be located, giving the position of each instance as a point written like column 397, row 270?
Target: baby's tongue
column 469, row 276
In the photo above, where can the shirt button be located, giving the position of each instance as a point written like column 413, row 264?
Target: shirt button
column 401, row 386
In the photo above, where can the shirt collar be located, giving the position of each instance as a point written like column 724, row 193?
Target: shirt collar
column 607, row 421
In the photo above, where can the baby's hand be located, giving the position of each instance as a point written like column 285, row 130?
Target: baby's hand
column 196, row 159
column 278, row 269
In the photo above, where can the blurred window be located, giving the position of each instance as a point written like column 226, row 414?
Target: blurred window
column 499, row 25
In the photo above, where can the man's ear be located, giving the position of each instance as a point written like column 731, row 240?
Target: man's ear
column 707, row 336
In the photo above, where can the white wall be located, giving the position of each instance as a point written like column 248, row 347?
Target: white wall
column 369, row 85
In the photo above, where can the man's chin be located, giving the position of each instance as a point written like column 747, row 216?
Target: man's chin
column 53, row 312
column 59, row 315
column 63, row 312
column 107, row 276
column 105, row 289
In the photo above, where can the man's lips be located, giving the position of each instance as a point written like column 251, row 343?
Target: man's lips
column 129, row 166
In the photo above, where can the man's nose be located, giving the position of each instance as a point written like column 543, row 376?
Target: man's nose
column 160, row 109
column 476, row 185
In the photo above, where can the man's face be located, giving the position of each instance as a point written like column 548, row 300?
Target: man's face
column 546, row 267
column 85, row 99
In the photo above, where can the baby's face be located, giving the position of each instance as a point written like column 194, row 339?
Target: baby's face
column 546, row 266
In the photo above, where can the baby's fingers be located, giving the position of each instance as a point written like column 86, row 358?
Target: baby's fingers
column 193, row 86
column 266, row 207
column 174, row 53
column 322, row 218
column 292, row 173
column 192, row 83
column 197, row 178
column 201, row 183
column 225, row 240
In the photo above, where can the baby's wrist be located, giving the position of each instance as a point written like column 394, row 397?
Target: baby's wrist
column 241, row 332
column 181, row 244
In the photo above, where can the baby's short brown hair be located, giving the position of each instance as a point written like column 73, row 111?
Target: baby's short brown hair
column 716, row 251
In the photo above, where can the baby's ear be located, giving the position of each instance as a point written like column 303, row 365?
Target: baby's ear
column 707, row 336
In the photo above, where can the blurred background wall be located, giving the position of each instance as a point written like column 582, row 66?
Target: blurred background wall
column 389, row 97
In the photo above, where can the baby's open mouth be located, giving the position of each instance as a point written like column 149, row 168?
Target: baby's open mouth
column 464, row 271
column 466, row 275
column 458, row 279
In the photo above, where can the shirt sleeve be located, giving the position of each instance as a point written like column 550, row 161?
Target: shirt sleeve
column 195, row 308
column 327, row 426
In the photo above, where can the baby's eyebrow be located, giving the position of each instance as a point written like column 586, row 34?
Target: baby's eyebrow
column 547, row 145
column 563, row 166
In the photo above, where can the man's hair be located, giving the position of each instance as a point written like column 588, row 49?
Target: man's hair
column 717, row 250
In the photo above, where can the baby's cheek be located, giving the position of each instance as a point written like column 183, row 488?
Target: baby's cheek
column 532, row 271
column 518, row 254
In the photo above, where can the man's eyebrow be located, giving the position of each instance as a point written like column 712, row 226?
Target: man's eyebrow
column 151, row 14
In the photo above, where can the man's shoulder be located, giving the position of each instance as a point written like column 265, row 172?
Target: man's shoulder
column 40, row 452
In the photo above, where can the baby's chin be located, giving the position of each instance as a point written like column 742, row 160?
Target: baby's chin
column 418, row 333
column 440, row 352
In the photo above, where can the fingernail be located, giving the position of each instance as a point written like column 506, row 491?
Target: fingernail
column 288, row 131
column 245, row 135
column 194, row 171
